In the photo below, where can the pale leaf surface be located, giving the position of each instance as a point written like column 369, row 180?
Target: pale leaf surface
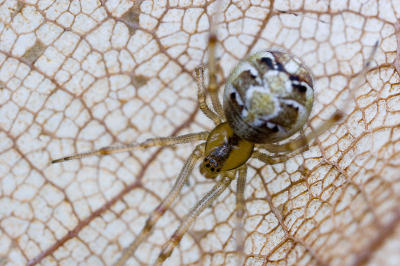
column 79, row 75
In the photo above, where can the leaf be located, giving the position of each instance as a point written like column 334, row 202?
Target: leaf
column 78, row 76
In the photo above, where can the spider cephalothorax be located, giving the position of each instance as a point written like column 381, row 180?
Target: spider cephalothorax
column 224, row 151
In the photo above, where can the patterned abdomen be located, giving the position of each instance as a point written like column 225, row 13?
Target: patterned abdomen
column 268, row 97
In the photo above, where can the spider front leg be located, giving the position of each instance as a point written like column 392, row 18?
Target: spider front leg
column 165, row 204
column 214, row 193
column 153, row 142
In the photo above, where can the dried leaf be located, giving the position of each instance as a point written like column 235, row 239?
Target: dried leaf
column 79, row 75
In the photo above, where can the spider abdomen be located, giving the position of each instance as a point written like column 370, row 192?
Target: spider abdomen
column 268, row 97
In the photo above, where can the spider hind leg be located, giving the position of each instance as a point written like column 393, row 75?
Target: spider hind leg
column 240, row 210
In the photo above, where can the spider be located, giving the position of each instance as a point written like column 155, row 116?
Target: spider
column 268, row 97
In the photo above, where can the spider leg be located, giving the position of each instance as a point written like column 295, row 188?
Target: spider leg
column 165, row 204
column 153, row 142
column 199, row 72
column 212, row 71
column 302, row 141
column 360, row 77
column 268, row 159
column 240, row 209
column 191, row 216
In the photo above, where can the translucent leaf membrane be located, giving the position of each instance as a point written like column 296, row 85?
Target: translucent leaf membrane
column 79, row 75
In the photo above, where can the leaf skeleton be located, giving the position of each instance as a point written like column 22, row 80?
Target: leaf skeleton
column 268, row 97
